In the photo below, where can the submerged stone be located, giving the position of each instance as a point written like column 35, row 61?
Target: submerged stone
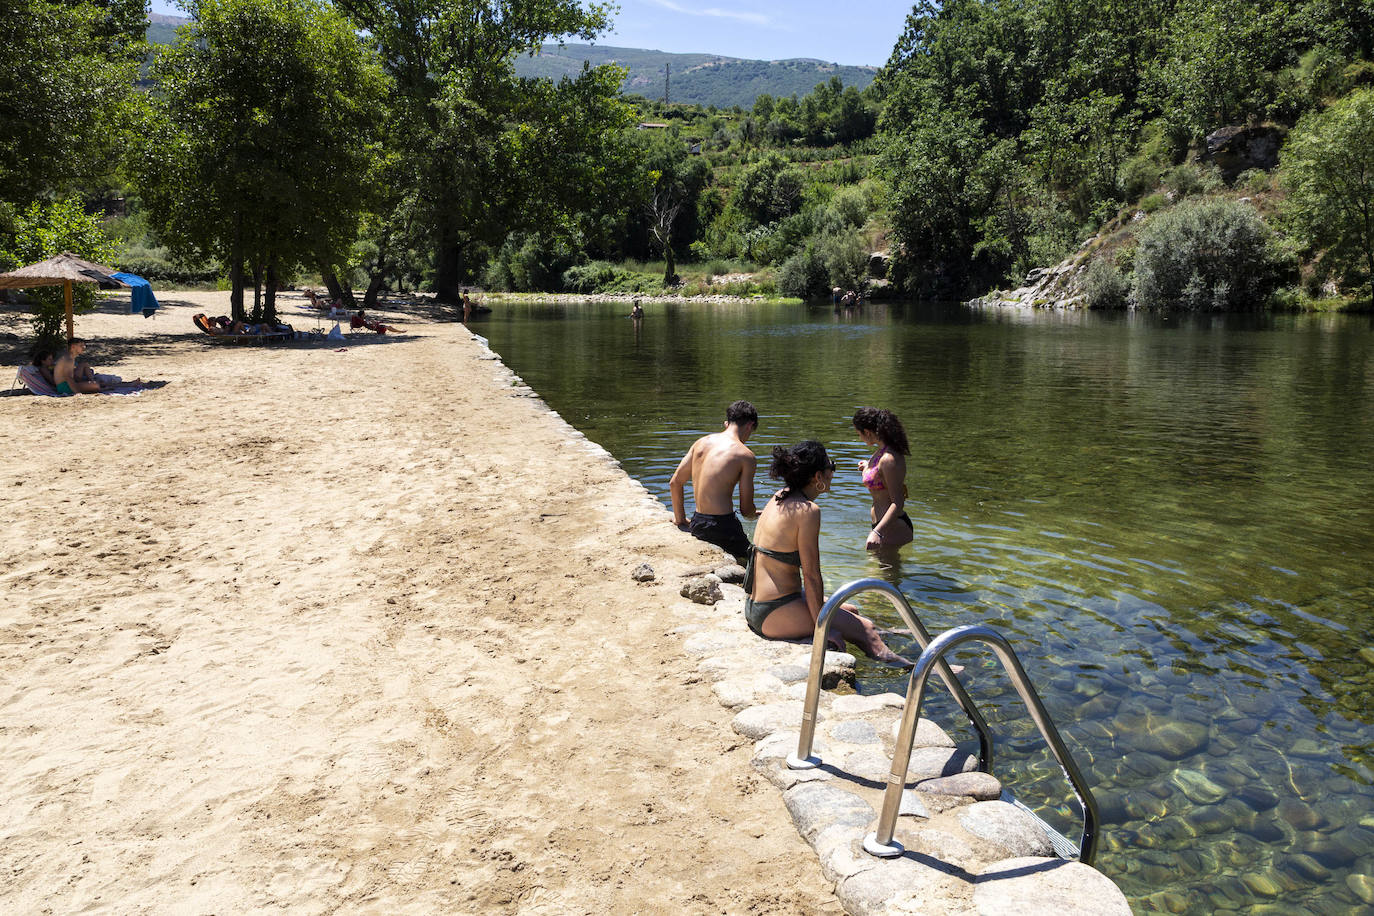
column 1305, row 868
column 1263, row 885
column 1257, row 797
column 1198, row 788
column 1170, row 738
column 1361, row 886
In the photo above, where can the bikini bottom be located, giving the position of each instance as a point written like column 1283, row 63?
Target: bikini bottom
column 904, row 517
column 756, row 612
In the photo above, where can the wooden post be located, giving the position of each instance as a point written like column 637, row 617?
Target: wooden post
column 67, row 294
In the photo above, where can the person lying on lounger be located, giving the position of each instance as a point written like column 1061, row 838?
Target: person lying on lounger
column 225, row 326
column 361, row 320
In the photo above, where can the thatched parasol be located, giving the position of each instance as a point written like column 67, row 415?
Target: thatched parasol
column 65, row 269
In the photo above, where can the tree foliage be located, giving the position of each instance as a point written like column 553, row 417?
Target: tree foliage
column 261, row 139
column 1328, row 168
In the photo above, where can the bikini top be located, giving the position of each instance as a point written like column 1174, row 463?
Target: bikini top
column 871, row 478
column 791, row 557
column 874, row 480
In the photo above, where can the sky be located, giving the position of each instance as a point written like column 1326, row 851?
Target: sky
column 855, row 32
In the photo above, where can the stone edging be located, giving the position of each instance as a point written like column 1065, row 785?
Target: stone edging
column 968, row 849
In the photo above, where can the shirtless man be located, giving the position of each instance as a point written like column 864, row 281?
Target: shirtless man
column 66, row 378
column 715, row 464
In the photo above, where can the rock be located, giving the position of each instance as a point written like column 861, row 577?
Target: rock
column 870, row 765
column 1305, row 868
column 1198, row 788
column 643, row 573
column 1262, row 885
column 1300, row 816
column 1236, row 149
column 858, row 705
column 732, row 573
column 928, row 734
column 912, row 805
column 902, row 885
column 982, row 786
column 734, row 693
column 854, row 732
column 759, row 722
column 703, row 589
column 1008, row 826
column 929, row 762
column 1331, row 851
column 1306, row 747
column 791, row 674
column 1257, row 797
column 841, row 852
column 1172, row 739
column 818, row 806
column 1367, row 654
column 1046, row 887
column 718, row 668
column 878, row 264
column 714, row 641
column 1361, row 886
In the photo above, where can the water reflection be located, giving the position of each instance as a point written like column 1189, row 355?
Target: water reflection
column 1170, row 516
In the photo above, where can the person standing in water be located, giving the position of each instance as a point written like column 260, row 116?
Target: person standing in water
column 884, row 474
column 782, row 582
column 715, row 465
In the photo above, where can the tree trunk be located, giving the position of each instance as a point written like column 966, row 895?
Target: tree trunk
column 448, row 262
column 269, row 305
column 374, row 288
column 670, row 271
column 257, row 292
column 336, row 288
column 236, row 271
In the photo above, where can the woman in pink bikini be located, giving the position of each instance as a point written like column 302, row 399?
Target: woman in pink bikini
column 885, row 476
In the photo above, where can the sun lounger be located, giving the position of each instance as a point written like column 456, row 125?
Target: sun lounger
column 31, row 378
column 223, row 335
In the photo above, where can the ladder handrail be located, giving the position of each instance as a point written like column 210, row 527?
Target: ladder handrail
column 803, row 759
column 880, row 842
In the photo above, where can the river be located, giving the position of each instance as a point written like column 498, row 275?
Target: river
column 1170, row 516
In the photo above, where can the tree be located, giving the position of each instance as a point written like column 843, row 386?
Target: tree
column 68, row 77
column 491, row 153
column 263, row 145
column 1328, row 169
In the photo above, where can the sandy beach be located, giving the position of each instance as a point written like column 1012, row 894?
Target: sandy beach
column 352, row 629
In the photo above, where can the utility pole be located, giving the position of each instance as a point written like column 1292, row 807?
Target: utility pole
column 666, row 69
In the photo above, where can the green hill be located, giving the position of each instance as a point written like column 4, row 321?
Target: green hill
column 700, row 79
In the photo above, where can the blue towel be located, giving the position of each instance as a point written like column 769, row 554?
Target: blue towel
column 141, row 298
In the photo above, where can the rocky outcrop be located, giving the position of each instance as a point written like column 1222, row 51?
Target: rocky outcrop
column 1060, row 286
column 1238, row 149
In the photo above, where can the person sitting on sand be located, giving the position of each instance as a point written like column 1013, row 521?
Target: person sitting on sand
column 715, row 464
column 64, row 371
column 782, row 582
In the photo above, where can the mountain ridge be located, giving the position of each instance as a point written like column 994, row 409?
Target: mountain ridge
column 698, row 79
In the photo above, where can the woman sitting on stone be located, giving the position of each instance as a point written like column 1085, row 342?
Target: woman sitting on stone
column 783, row 583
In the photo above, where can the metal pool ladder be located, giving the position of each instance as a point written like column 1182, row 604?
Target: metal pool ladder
column 880, row 842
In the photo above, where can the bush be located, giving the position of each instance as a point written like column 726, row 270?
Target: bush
column 1214, row 254
column 1154, row 202
column 1256, row 181
column 845, row 257
column 804, row 275
column 1104, row 287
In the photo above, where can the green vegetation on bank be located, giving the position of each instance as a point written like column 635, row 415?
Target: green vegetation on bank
column 1202, row 154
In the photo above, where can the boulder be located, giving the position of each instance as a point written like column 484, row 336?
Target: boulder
column 643, row 573
column 817, row 806
column 1046, row 887
column 982, row 786
column 703, row 589
column 1016, row 831
column 732, row 573
column 1237, row 149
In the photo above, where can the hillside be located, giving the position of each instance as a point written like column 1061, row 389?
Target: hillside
column 695, row 79
column 699, row 79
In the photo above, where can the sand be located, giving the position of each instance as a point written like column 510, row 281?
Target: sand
column 319, row 630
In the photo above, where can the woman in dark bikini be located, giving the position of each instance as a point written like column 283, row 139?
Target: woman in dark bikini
column 885, row 476
column 786, row 554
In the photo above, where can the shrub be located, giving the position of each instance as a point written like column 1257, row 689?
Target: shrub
column 804, row 275
column 1104, row 287
column 845, row 257
column 1257, row 181
column 1154, row 202
column 1213, row 254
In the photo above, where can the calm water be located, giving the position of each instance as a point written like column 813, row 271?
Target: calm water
column 1171, row 517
